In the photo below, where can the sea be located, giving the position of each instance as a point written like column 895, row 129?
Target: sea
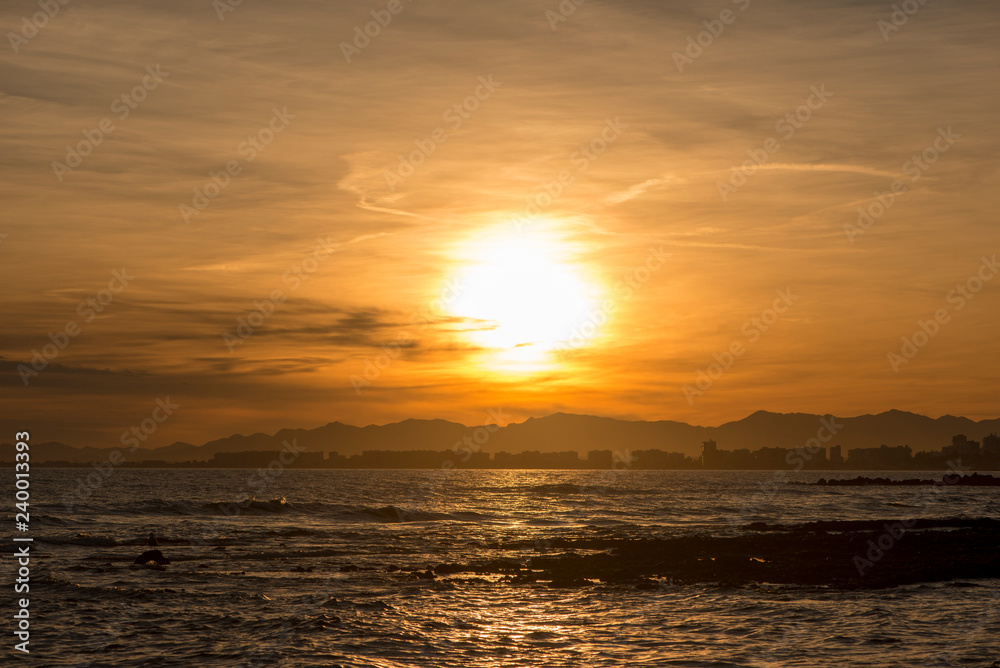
column 321, row 568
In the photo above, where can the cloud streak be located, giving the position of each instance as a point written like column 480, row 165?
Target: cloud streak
column 398, row 249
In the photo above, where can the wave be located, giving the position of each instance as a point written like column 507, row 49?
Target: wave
column 397, row 514
column 543, row 522
column 249, row 506
column 84, row 539
column 295, row 533
column 556, row 488
column 567, row 489
column 281, row 506
column 983, row 523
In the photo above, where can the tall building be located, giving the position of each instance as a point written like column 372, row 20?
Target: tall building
column 709, row 454
column 963, row 447
column 882, row 457
column 836, row 456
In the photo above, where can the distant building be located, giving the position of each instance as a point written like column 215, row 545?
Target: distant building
column 836, row 456
column 709, row 454
column 991, row 445
column 658, row 459
column 770, row 458
column 739, row 459
column 882, row 457
column 267, row 458
column 599, row 459
column 962, row 447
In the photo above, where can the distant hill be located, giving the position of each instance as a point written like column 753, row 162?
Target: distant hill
column 563, row 431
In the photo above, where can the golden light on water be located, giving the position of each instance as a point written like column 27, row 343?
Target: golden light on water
column 526, row 295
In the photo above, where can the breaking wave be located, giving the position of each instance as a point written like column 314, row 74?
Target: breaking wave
column 281, row 506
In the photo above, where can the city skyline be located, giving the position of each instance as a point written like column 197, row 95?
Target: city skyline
column 747, row 443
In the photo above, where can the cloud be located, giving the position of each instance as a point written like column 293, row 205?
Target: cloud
column 395, row 248
column 855, row 169
column 637, row 190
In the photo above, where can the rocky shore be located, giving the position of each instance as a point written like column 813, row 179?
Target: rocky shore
column 852, row 554
column 973, row 480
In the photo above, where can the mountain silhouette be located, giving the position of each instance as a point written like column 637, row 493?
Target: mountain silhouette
column 562, row 432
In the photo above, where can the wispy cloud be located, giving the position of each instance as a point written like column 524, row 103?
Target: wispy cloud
column 534, row 146
column 637, row 190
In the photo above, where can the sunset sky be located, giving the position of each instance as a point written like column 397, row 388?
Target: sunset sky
column 565, row 246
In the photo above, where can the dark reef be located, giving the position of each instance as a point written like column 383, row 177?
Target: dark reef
column 154, row 556
column 974, row 480
column 848, row 554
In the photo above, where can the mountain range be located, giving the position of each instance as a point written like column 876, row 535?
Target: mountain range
column 562, row 431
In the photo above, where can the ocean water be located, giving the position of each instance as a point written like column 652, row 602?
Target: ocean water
column 316, row 568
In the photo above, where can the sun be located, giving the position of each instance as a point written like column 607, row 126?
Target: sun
column 523, row 296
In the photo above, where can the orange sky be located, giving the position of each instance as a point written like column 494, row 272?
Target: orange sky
column 490, row 207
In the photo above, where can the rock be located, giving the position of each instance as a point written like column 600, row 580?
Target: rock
column 152, row 555
column 349, row 568
column 569, row 582
column 975, row 479
column 445, row 569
